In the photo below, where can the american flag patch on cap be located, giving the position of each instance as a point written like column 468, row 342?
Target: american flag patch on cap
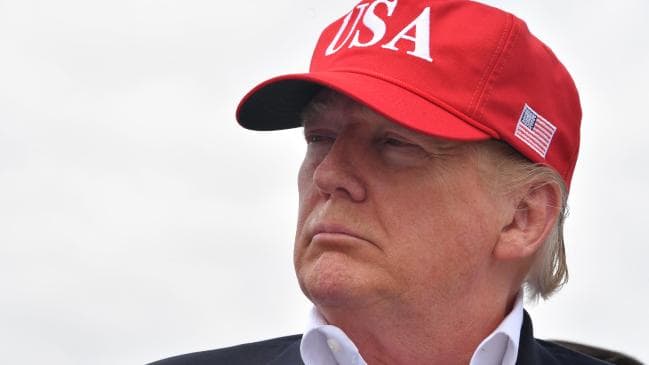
column 535, row 131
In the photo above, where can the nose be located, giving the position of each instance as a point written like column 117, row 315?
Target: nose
column 339, row 173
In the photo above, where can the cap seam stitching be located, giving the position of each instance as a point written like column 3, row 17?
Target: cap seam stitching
column 474, row 104
column 497, row 71
column 504, row 57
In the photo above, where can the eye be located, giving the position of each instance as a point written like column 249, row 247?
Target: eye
column 395, row 142
column 315, row 137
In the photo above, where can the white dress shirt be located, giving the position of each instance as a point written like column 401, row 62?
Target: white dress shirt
column 324, row 344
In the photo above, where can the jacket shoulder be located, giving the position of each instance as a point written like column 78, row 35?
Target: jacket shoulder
column 261, row 352
column 532, row 351
column 563, row 355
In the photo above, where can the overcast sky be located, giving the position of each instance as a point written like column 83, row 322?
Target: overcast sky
column 138, row 221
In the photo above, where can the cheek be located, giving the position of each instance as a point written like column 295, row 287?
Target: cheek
column 307, row 200
column 305, row 175
column 303, row 181
column 442, row 226
column 305, row 187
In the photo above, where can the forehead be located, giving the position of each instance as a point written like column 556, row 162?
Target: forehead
column 332, row 109
column 334, row 104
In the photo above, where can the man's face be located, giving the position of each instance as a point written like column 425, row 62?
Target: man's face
column 388, row 214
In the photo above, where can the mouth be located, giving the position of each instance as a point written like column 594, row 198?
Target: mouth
column 334, row 233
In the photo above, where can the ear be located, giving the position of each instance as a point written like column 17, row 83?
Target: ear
column 535, row 213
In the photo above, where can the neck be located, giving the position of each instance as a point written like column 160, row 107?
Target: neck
column 389, row 333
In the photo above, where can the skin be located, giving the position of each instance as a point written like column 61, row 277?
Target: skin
column 402, row 241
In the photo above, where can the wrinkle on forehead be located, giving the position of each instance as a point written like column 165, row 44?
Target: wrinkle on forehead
column 329, row 100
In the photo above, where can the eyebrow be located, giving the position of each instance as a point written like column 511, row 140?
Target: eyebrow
column 319, row 103
column 325, row 102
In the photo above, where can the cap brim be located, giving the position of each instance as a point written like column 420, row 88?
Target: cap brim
column 278, row 102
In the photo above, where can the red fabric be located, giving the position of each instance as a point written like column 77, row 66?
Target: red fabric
column 486, row 66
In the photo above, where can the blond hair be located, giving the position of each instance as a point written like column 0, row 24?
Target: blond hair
column 549, row 270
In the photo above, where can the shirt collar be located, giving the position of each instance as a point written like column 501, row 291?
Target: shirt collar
column 500, row 347
column 325, row 344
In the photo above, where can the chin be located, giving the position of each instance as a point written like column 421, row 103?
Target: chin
column 333, row 280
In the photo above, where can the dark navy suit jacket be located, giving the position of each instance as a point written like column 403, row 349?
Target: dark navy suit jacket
column 286, row 351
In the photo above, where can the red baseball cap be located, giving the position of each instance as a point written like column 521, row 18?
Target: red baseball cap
column 453, row 69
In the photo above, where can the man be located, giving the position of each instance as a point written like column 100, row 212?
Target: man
column 442, row 138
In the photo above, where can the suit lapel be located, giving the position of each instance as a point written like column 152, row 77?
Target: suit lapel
column 290, row 356
column 529, row 350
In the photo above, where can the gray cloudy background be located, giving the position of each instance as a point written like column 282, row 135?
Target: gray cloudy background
column 138, row 221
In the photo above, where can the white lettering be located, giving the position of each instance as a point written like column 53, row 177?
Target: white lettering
column 374, row 23
column 421, row 39
column 332, row 47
